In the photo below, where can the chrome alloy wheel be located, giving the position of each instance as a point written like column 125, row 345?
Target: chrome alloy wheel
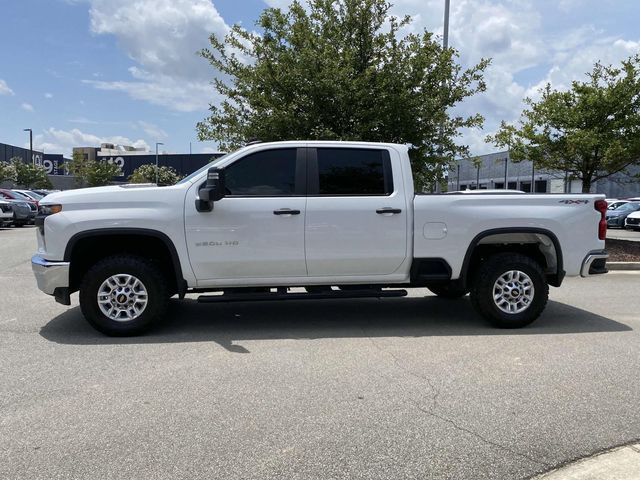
column 122, row 297
column 513, row 292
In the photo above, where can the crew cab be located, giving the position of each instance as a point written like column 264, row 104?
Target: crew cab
column 338, row 219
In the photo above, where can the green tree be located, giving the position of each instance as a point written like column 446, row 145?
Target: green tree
column 7, row 172
column 92, row 173
column 340, row 69
column 591, row 131
column 28, row 175
column 147, row 174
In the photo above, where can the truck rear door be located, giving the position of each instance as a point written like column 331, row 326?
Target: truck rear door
column 356, row 222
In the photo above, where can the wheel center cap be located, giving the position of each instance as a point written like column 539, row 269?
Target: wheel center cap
column 122, row 298
column 515, row 292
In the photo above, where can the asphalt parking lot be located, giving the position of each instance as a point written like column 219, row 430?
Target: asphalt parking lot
column 399, row 388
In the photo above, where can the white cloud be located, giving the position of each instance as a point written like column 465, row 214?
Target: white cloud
column 53, row 140
column 162, row 37
column 4, row 88
column 27, row 106
column 48, row 95
column 179, row 94
column 155, row 132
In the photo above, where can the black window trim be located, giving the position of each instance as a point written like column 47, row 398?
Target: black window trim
column 313, row 175
column 300, row 187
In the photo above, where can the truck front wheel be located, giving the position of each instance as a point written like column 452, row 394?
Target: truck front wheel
column 510, row 290
column 123, row 295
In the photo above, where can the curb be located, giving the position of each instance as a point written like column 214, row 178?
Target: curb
column 620, row 463
column 623, row 265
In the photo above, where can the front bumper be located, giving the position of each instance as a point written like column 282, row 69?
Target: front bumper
column 595, row 263
column 52, row 277
column 615, row 222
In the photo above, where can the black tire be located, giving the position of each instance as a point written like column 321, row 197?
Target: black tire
column 482, row 290
column 450, row 290
column 144, row 270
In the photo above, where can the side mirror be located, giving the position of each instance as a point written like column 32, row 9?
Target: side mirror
column 212, row 191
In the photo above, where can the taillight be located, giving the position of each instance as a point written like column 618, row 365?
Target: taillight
column 601, row 206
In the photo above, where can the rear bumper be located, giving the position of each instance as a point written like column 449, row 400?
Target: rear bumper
column 595, row 263
column 50, row 275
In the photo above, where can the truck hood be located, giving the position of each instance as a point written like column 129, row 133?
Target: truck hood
column 113, row 194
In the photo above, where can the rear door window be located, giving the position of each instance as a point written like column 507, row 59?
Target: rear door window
column 354, row 171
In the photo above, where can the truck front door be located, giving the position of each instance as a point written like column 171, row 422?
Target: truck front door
column 257, row 229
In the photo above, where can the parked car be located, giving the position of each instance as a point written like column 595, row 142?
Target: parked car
column 632, row 222
column 484, row 191
column 6, row 213
column 13, row 195
column 44, row 193
column 36, row 197
column 340, row 218
column 616, row 218
column 22, row 213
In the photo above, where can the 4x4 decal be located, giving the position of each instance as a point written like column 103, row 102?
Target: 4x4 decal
column 574, row 202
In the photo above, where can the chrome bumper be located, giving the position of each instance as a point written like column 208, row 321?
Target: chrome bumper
column 594, row 263
column 50, row 275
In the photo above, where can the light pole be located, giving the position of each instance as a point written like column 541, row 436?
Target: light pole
column 445, row 45
column 30, row 144
column 157, row 143
column 445, row 36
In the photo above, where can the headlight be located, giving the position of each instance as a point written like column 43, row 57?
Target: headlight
column 50, row 209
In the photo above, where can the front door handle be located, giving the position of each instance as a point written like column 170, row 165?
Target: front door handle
column 382, row 211
column 286, row 211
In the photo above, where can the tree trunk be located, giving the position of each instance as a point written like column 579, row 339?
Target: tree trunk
column 586, row 184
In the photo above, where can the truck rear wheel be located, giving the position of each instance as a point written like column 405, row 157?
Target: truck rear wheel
column 510, row 290
column 123, row 295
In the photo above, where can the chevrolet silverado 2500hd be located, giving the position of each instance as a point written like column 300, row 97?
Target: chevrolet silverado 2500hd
column 338, row 218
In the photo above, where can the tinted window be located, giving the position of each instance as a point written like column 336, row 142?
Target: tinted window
column 352, row 171
column 263, row 174
column 629, row 207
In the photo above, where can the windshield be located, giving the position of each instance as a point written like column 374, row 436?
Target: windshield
column 33, row 195
column 628, row 207
column 21, row 196
column 188, row 178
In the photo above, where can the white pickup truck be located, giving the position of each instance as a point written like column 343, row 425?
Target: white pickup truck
column 339, row 219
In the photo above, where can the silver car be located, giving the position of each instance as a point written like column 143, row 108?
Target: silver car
column 6, row 212
column 22, row 214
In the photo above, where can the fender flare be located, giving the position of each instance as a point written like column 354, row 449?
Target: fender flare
column 175, row 258
column 554, row 279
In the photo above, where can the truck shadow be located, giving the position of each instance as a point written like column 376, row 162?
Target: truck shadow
column 230, row 324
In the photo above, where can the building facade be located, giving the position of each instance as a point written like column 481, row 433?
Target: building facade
column 125, row 157
column 498, row 171
column 129, row 158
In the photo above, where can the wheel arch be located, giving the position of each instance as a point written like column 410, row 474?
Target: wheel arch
column 517, row 239
column 123, row 240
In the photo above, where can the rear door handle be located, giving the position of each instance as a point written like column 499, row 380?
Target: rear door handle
column 382, row 211
column 286, row 211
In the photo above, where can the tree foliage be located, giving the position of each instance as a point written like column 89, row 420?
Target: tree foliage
column 28, row 175
column 591, row 131
column 7, row 172
column 92, row 173
column 340, row 70
column 147, row 174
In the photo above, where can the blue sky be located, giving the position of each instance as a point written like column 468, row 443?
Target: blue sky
column 84, row 71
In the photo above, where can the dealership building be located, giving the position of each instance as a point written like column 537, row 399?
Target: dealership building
column 498, row 171
column 127, row 158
